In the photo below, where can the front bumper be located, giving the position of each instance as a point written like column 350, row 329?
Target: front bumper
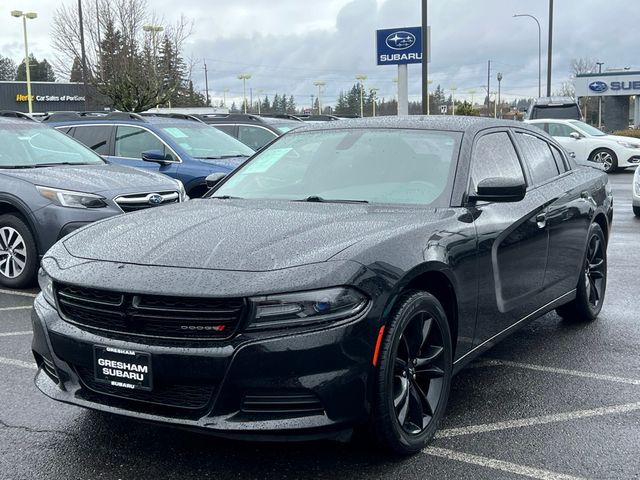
column 329, row 366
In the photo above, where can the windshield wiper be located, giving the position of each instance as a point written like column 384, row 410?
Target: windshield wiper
column 16, row 166
column 222, row 157
column 318, row 199
column 54, row 164
column 226, row 197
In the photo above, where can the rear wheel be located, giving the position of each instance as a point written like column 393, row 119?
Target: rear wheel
column 606, row 157
column 413, row 377
column 592, row 284
column 18, row 255
column 636, row 211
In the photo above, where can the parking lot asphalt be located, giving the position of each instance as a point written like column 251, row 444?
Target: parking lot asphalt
column 554, row 401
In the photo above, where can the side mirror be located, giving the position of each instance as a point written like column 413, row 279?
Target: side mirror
column 575, row 135
column 213, row 179
column 156, row 156
column 496, row 189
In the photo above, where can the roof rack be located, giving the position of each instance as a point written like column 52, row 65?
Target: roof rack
column 286, row 116
column 182, row 116
column 16, row 114
column 96, row 115
column 236, row 117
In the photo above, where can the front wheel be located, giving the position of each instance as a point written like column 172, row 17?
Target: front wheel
column 607, row 158
column 592, row 283
column 413, row 375
column 18, row 255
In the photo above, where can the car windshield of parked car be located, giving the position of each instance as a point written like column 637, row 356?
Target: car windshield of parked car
column 32, row 146
column 203, row 141
column 390, row 166
column 588, row 129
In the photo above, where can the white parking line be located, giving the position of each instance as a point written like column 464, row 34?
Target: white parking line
column 541, row 368
column 542, row 420
column 20, row 294
column 497, row 464
column 22, row 307
column 15, row 334
column 17, row 363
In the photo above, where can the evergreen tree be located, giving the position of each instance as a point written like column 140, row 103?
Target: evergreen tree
column 290, row 105
column 38, row 71
column 234, row 108
column 76, row 71
column 7, row 69
column 265, row 106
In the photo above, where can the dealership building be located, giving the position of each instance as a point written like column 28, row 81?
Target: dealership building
column 48, row 97
column 617, row 90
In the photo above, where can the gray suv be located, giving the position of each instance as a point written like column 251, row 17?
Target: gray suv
column 51, row 185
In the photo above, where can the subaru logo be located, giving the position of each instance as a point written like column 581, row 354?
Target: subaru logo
column 400, row 40
column 598, row 87
column 154, row 199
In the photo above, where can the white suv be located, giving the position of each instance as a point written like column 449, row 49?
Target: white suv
column 589, row 143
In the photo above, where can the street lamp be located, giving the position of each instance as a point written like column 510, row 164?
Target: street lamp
column 244, row 77
column 539, row 49
column 599, row 98
column 453, row 101
column 30, row 16
column 224, row 97
column 320, row 84
column 154, row 30
column 499, row 81
column 361, row 78
column 373, row 91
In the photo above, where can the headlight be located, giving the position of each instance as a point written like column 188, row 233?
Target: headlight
column 46, row 285
column 628, row 144
column 181, row 191
column 306, row 308
column 66, row 198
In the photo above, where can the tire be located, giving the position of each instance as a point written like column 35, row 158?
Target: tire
column 410, row 397
column 592, row 284
column 18, row 254
column 606, row 157
column 636, row 211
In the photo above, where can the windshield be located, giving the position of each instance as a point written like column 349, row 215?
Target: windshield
column 588, row 129
column 31, row 146
column 202, row 141
column 377, row 166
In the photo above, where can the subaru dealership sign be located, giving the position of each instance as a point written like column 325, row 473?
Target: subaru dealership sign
column 607, row 84
column 399, row 46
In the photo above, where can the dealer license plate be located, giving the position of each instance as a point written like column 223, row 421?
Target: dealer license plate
column 122, row 368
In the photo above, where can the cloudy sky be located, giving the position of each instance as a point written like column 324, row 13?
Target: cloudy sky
column 286, row 45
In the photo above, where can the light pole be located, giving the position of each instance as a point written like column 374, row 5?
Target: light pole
column 320, row 84
column 373, row 91
column 600, row 98
column 453, row 100
column 425, row 59
column 539, row 49
column 495, row 104
column 224, row 97
column 259, row 101
column 154, row 30
column 550, row 49
column 244, row 77
column 30, row 16
column 361, row 78
column 499, row 77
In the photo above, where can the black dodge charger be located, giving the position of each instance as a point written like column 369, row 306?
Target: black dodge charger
column 336, row 280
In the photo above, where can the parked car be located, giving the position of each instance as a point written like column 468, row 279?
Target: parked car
column 51, row 185
column 253, row 130
column 339, row 278
column 589, row 143
column 184, row 149
column 636, row 193
column 554, row 107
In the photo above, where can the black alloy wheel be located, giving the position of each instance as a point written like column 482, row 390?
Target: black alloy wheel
column 414, row 374
column 592, row 283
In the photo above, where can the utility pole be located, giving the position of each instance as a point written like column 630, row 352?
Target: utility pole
column 453, row 100
column 550, row 52
column 373, row 90
column 84, row 56
column 206, row 83
column 488, row 87
column 320, row 84
column 600, row 98
column 425, row 59
column 499, row 82
column 361, row 78
column 244, row 77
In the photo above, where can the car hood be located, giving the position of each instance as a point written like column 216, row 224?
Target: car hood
column 93, row 178
column 619, row 138
column 241, row 235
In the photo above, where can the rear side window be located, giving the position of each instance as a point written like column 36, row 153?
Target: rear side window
column 559, row 158
column 254, row 137
column 495, row 156
column 96, row 137
column 538, row 155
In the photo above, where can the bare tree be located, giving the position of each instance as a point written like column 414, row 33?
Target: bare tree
column 123, row 61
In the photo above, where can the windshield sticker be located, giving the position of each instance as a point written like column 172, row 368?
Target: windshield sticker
column 266, row 160
column 176, row 132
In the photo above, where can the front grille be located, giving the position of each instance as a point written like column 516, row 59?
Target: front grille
column 157, row 316
column 190, row 397
column 140, row 201
column 299, row 403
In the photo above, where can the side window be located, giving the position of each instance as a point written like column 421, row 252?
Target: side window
column 495, row 156
column 132, row 141
column 254, row 137
column 559, row 158
column 559, row 130
column 538, row 155
column 94, row 137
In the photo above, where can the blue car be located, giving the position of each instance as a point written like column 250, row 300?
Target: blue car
column 187, row 150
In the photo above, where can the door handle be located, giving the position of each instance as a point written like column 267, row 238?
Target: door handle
column 585, row 195
column 541, row 220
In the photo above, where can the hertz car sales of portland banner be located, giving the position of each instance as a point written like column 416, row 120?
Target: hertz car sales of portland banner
column 401, row 46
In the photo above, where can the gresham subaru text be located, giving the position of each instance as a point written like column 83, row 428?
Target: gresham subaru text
column 336, row 280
